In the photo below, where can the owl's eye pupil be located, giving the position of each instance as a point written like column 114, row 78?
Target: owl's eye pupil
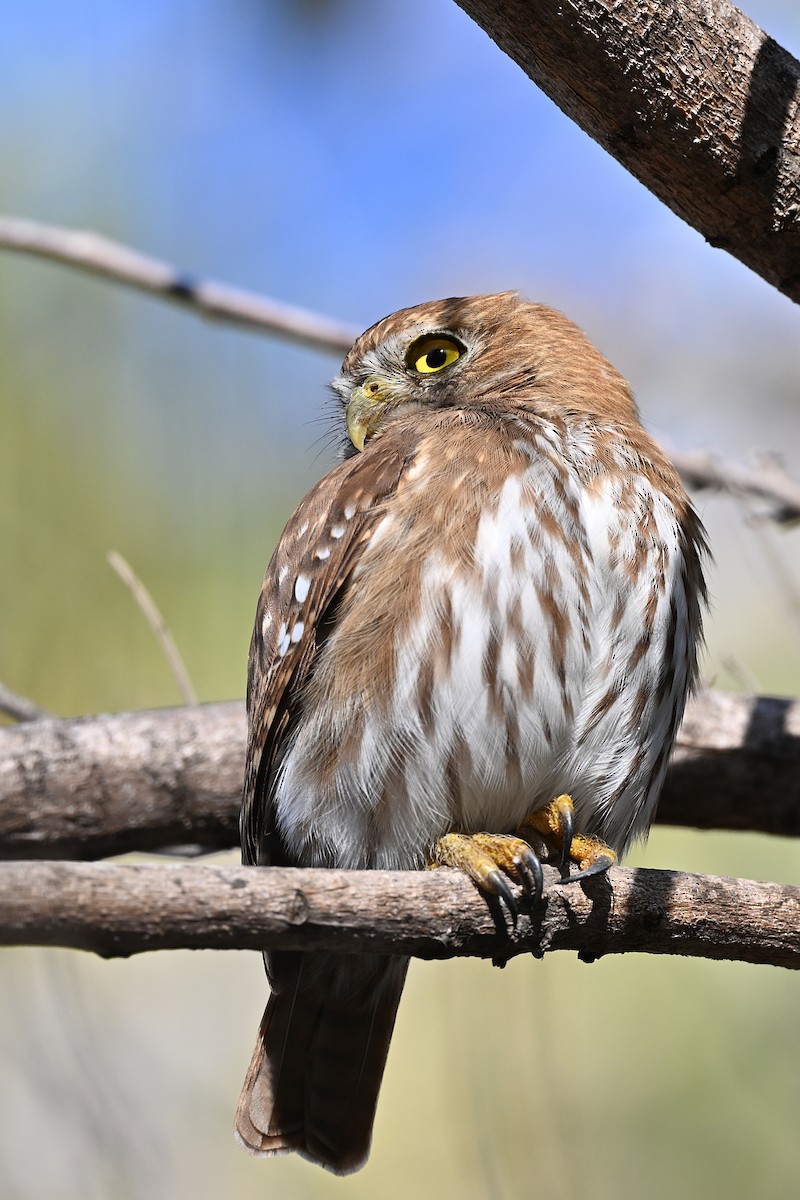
column 427, row 355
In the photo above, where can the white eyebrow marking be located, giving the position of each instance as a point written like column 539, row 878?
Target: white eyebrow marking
column 337, row 531
column 297, row 631
column 301, row 586
column 283, row 639
column 323, row 553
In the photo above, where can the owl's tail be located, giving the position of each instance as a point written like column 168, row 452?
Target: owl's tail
column 316, row 1071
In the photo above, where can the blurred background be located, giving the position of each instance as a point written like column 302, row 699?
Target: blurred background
column 352, row 158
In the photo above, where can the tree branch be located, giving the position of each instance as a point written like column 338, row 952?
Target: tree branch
column 769, row 482
column 108, row 784
column 118, row 910
column 19, row 708
column 120, row 264
column 215, row 301
column 102, row 785
column 691, row 97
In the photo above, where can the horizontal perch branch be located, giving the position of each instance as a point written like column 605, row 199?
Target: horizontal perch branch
column 119, row 910
column 216, row 301
column 100, row 785
column 695, row 100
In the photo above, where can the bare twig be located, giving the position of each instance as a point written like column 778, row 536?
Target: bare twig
column 216, row 301
column 700, row 469
column 768, row 482
column 104, row 785
column 691, row 97
column 116, row 910
column 155, row 620
column 19, row 708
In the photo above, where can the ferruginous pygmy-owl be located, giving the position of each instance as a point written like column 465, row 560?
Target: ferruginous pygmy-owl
column 485, row 619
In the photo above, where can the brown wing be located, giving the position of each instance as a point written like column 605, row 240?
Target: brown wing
column 296, row 611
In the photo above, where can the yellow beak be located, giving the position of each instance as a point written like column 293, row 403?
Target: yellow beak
column 367, row 405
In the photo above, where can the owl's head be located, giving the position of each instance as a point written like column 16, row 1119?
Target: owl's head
column 476, row 351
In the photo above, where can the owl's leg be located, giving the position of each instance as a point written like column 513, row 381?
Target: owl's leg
column 556, row 823
column 487, row 858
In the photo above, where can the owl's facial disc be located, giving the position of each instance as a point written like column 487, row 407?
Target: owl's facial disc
column 426, row 356
column 367, row 406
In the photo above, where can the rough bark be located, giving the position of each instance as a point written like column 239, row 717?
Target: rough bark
column 119, row 910
column 691, row 97
column 101, row 785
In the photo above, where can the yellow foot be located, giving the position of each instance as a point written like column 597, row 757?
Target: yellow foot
column 487, row 858
column 556, row 823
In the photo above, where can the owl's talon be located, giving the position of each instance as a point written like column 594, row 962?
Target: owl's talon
column 492, row 861
column 530, row 870
column 567, row 821
column 497, row 883
column 598, row 866
column 556, row 823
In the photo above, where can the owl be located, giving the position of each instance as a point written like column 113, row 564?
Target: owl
column 483, row 621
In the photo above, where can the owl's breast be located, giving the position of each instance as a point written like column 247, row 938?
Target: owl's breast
column 476, row 662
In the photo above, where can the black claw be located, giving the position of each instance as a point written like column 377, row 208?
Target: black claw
column 530, row 868
column 498, row 884
column 598, row 867
column 567, row 834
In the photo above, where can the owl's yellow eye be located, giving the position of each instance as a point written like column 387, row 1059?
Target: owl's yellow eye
column 431, row 354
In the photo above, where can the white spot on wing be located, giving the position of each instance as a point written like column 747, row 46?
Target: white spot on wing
column 283, row 639
column 350, row 511
column 301, row 586
column 323, row 553
column 337, row 531
column 417, row 468
column 297, row 631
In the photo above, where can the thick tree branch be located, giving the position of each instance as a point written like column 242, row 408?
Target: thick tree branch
column 101, row 785
column 207, row 298
column 118, row 910
column 691, row 97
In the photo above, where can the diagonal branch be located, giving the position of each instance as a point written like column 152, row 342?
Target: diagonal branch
column 19, row 708
column 120, row 264
column 207, row 298
column 118, row 910
column 695, row 100
column 108, row 784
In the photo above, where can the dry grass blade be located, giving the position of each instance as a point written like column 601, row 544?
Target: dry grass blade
column 156, row 622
